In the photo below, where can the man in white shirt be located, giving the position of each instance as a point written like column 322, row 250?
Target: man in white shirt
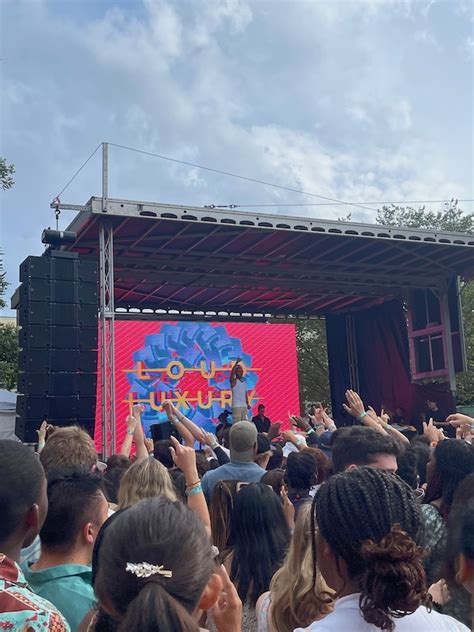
column 240, row 400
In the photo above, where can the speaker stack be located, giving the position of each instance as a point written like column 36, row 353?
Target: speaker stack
column 57, row 362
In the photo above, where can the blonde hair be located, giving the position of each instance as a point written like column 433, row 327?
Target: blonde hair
column 68, row 446
column 145, row 479
column 293, row 602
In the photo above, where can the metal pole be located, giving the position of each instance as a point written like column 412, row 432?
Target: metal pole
column 103, row 341
column 105, row 176
column 352, row 352
column 448, row 345
column 111, row 340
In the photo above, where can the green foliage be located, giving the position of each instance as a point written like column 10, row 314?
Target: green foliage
column 6, row 181
column 6, row 173
column 8, row 356
column 450, row 219
column 465, row 381
column 3, row 285
column 313, row 370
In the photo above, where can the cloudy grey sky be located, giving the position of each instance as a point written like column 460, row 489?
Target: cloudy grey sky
column 360, row 100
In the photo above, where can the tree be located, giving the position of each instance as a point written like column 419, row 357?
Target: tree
column 3, row 285
column 6, row 180
column 450, row 219
column 8, row 333
column 6, row 173
column 465, row 381
column 311, row 346
column 8, row 356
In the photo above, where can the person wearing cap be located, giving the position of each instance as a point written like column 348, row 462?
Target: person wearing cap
column 324, row 443
column 241, row 467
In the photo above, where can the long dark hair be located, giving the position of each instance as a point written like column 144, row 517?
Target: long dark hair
column 460, row 527
column 220, row 512
column 162, row 533
column 370, row 519
column 454, row 460
column 260, row 537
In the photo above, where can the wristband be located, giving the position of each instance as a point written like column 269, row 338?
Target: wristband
column 130, row 432
column 300, row 440
column 198, row 482
column 41, row 445
column 310, row 431
column 197, row 489
column 363, row 414
column 214, row 445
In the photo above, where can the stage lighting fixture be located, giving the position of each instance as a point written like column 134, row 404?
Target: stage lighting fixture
column 58, row 237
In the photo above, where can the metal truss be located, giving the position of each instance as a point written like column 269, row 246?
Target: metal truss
column 107, row 319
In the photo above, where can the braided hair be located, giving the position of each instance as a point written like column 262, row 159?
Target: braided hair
column 370, row 518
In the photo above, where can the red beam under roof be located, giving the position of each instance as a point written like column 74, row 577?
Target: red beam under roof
column 179, row 257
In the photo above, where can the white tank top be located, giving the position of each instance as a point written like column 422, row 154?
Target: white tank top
column 238, row 395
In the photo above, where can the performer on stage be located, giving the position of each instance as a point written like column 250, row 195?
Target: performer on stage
column 261, row 421
column 240, row 400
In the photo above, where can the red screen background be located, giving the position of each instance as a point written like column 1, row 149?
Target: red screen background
column 273, row 351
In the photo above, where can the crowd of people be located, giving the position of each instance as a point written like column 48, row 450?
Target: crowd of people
column 252, row 528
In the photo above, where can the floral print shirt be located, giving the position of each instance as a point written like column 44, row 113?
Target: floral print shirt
column 20, row 609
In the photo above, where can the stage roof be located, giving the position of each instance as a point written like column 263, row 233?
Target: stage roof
column 196, row 259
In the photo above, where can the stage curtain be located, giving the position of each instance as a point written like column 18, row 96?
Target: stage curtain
column 383, row 363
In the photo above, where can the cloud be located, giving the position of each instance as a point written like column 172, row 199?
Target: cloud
column 468, row 47
column 426, row 37
column 335, row 101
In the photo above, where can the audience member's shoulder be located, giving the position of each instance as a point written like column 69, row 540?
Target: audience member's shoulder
column 28, row 611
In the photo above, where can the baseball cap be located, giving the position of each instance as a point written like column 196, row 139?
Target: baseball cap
column 242, row 440
column 324, row 442
column 263, row 444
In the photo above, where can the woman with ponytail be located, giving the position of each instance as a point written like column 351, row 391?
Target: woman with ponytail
column 155, row 569
column 365, row 545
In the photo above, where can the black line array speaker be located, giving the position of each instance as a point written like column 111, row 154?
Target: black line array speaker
column 57, row 362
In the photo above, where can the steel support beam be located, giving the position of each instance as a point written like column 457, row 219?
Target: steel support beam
column 107, row 317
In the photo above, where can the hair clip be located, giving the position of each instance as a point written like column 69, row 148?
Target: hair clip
column 144, row 569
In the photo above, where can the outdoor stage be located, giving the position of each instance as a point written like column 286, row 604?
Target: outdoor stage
column 389, row 295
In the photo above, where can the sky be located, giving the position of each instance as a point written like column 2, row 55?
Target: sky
column 366, row 100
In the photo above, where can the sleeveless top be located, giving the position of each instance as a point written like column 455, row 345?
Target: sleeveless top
column 238, row 395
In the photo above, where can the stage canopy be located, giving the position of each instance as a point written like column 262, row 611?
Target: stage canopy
column 195, row 260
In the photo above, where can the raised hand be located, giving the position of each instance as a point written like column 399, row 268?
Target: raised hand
column 227, row 612
column 459, row 420
column 434, row 434
column 209, row 439
column 355, row 405
column 149, row 445
column 301, row 423
column 167, row 406
column 131, row 422
column 42, row 432
column 137, row 410
column 273, row 431
column 327, row 421
column 184, row 458
column 288, row 509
